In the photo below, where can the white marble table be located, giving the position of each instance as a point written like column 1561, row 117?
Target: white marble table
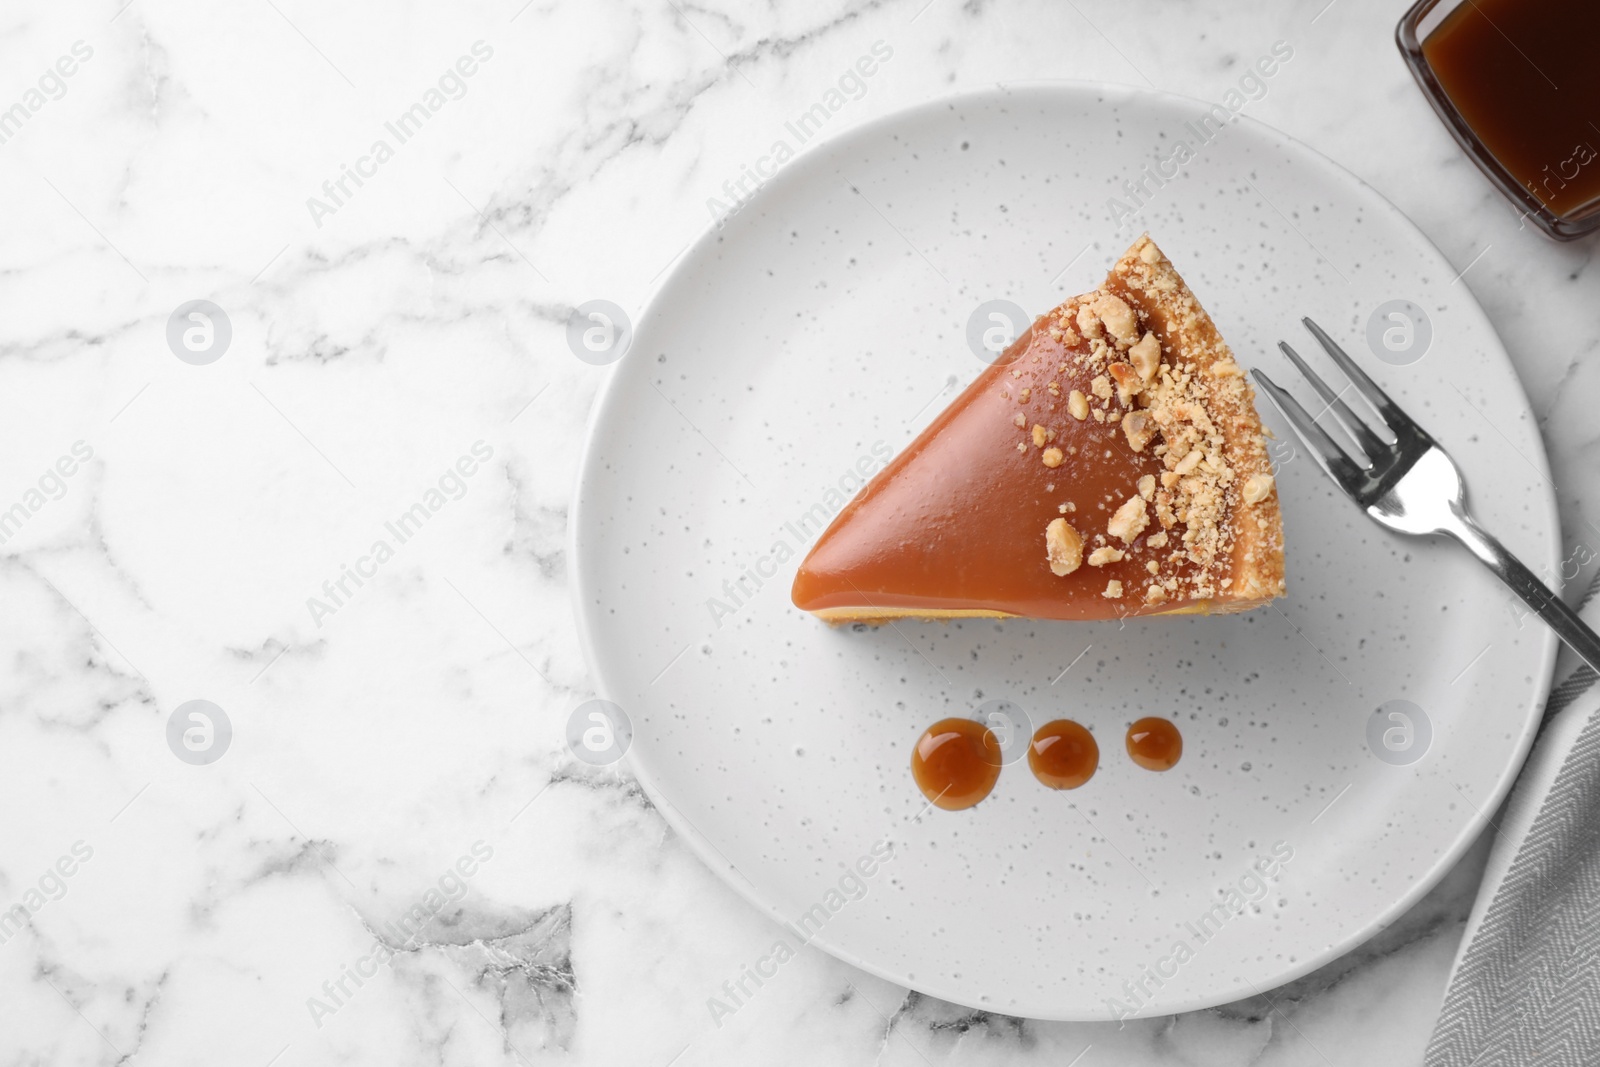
column 396, row 745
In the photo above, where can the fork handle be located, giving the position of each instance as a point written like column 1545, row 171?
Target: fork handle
column 1538, row 596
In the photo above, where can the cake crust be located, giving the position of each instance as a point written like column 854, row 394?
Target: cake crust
column 1255, row 557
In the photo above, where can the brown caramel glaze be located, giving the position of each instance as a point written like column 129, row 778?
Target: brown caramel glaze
column 955, row 523
column 1063, row 754
column 977, row 506
column 956, row 763
column 1155, row 744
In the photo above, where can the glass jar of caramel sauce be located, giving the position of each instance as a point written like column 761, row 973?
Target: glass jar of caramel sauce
column 1517, row 82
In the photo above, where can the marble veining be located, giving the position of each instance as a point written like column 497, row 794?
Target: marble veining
column 256, row 908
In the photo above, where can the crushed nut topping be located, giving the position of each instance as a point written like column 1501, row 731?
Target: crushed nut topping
column 1088, row 322
column 1113, row 590
column 1078, row 405
column 1189, row 462
column 1129, row 520
column 1062, row 547
column 1039, row 436
column 1101, row 556
column 1140, row 429
column 1257, row 488
column 1118, row 317
column 1052, row 456
column 1164, row 512
column 1146, row 356
column 1127, row 379
column 1147, row 486
column 1019, row 420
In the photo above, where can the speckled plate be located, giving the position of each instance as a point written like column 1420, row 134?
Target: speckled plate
column 1343, row 747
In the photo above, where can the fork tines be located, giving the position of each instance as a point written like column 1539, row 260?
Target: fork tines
column 1334, row 458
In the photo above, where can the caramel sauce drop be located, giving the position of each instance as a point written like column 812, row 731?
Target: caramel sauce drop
column 956, row 763
column 1155, row 744
column 1063, row 754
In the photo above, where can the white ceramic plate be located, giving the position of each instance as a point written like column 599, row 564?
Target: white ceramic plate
column 820, row 329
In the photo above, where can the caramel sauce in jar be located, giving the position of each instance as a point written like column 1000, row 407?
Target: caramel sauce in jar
column 1063, row 754
column 956, row 763
column 1524, row 77
column 1155, row 744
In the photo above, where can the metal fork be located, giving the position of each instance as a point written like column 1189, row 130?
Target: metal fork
column 1411, row 485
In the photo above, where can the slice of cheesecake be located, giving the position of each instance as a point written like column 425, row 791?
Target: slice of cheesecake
column 1110, row 463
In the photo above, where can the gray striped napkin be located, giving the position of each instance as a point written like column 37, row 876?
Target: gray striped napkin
column 1526, row 984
